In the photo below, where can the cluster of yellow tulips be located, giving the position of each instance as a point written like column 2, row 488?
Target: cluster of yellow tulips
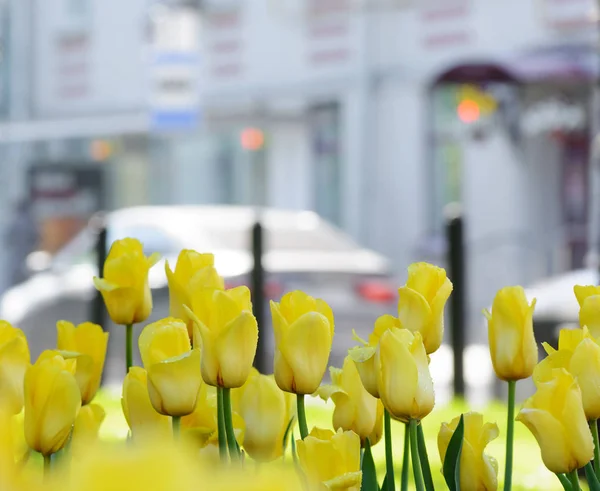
column 198, row 411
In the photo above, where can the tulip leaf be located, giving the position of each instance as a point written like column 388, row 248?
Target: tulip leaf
column 591, row 478
column 452, row 459
column 286, row 434
column 384, row 484
column 369, row 473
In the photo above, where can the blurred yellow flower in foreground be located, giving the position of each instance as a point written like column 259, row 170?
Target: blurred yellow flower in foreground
column 229, row 334
column 588, row 298
column 478, row 471
column 331, row 460
column 267, row 411
column 355, row 409
column 52, row 401
column 404, row 381
column 91, row 341
column 513, row 348
column 173, row 368
column 14, row 361
column 421, row 303
column 193, row 271
column 303, row 328
column 125, row 287
column 555, row 416
column 137, row 408
column 86, row 428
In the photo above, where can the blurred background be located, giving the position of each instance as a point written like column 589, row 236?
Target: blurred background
column 349, row 128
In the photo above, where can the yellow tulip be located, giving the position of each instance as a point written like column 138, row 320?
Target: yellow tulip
column 229, row 335
column 513, row 348
column 266, row 409
column 478, row 471
column 355, row 409
column 14, row 361
column 52, row 401
column 137, row 408
column 421, row 303
column 87, row 426
column 579, row 354
column 193, row 271
column 173, row 367
column 125, row 287
column 588, row 298
column 364, row 356
column 90, row 340
column 404, row 382
column 555, row 416
column 303, row 328
column 331, row 460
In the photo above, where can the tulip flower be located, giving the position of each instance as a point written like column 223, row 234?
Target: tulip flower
column 478, row 471
column 91, row 341
column 86, row 428
column 174, row 378
column 355, row 409
column 14, row 361
column 52, row 401
column 193, row 271
column 588, row 298
column 404, row 381
column 421, row 303
column 137, row 407
column 331, row 460
column 513, row 348
column 267, row 410
column 555, row 416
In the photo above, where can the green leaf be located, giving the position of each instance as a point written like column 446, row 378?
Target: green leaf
column 288, row 429
column 369, row 474
column 424, row 458
column 294, row 455
column 591, row 477
column 564, row 480
column 384, row 484
column 452, row 460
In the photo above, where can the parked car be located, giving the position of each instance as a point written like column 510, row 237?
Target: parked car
column 302, row 251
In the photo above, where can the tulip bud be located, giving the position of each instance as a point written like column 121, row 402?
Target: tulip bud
column 478, row 471
column 331, row 460
column 125, row 287
column 91, row 341
column 174, row 378
column 229, row 335
column 14, row 361
column 404, row 382
column 52, row 401
column 513, row 348
column 267, row 410
column 193, row 271
column 86, row 428
column 421, row 303
column 555, row 416
column 588, row 298
column 137, row 408
column 303, row 328
column 355, row 409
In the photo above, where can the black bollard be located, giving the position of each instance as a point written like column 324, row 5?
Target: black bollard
column 257, row 285
column 457, row 274
column 98, row 310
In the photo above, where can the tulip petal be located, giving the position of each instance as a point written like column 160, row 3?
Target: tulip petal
column 382, row 324
column 582, row 292
column 236, row 349
column 414, row 314
column 589, row 315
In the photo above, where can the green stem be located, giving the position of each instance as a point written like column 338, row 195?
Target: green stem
column 424, row 458
column 128, row 347
column 301, row 416
column 414, row 452
column 176, row 422
column 221, row 432
column 574, row 480
column 389, row 454
column 231, row 442
column 564, row 480
column 510, row 435
column 405, row 459
column 594, row 428
column 47, row 465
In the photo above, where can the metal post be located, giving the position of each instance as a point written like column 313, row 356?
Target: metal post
column 457, row 274
column 98, row 311
column 258, row 295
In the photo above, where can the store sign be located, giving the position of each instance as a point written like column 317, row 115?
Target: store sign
column 553, row 115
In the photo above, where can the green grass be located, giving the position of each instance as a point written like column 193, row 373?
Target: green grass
column 529, row 471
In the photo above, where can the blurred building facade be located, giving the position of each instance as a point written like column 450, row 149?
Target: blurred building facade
column 377, row 114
